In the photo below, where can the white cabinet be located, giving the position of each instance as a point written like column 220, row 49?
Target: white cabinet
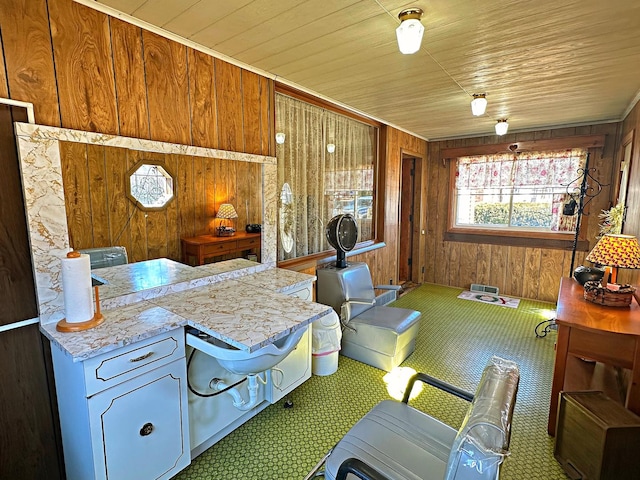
column 123, row 414
column 296, row 367
column 292, row 371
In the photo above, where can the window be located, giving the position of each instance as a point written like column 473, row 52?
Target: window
column 326, row 167
column 517, row 191
column 150, row 185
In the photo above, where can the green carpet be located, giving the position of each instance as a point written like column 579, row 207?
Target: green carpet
column 455, row 340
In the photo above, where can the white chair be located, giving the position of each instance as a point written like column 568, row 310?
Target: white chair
column 380, row 336
column 397, row 442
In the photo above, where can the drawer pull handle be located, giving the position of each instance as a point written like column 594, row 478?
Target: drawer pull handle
column 146, row 429
column 141, row 357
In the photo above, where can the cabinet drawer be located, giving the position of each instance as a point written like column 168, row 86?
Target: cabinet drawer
column 219, row 248
column 248, row 243
column 115, row 367
column 305, row 292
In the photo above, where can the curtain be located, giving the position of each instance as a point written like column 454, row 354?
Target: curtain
column 321, row 183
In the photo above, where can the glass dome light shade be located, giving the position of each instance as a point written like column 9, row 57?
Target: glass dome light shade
column 501, row 127
column 409, row 35
column 478, row 104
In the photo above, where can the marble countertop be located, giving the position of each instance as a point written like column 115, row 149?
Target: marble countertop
column 241, row 306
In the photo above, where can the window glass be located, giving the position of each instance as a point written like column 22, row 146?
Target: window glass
column 524, row 191
column 326, row 166
column 150, row 185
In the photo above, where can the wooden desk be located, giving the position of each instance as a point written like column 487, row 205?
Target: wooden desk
column 207, row 246
column 610, row 335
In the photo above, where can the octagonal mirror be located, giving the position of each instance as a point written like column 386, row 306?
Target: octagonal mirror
column 151, row 186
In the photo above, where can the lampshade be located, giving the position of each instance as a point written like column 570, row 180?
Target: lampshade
column 280, row 138
column 226, row 210
column 331, row 147
column 478, row 104
column 501, row 127
column 621, row 251
column 410, row 31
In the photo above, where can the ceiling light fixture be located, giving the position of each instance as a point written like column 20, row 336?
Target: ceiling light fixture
column 502, row 126
column 478, row 104
column 410, row 31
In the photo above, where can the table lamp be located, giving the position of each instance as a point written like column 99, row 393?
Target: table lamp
column 225, row 213
column 613, row 252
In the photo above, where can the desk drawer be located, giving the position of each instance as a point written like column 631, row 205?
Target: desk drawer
column 219, row 248
column 248, row 243
column 112, row 368
column 610, row 348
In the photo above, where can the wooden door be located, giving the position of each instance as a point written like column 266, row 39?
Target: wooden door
column 29, row 432
column 406, row 219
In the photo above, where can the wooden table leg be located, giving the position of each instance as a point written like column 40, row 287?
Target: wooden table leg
column 559, row 371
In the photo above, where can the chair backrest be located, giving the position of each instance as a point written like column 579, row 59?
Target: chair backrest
column 106, row 256
column 483, row 439
column 336, row 286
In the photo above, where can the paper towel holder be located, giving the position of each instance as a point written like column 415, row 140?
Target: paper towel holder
column 98, row 318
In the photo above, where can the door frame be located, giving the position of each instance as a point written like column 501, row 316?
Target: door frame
column 416, row 253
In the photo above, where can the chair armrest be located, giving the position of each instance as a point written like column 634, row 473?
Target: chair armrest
column 359, row 469
column 389, row 287
column 447, row 387
column 361, row 301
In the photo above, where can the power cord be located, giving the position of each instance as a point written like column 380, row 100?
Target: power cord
column 548, row 326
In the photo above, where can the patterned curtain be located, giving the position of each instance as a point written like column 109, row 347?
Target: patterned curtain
column 550, row 171
column 316, row 178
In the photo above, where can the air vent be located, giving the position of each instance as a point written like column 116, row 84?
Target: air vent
column 476, row 287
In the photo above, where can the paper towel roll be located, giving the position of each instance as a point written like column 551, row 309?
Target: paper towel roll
column 76, row 288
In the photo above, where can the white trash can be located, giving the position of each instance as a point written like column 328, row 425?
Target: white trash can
column 326, row 336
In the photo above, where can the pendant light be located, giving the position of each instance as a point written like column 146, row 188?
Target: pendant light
column 478, row 104
column 410, row 31
column 502, row 126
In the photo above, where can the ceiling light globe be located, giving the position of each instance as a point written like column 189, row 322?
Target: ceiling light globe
column 501, row 127
column 478, row 104
column 409, row 35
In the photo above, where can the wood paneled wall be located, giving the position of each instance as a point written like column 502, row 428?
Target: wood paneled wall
column 518, row 271
column 85, row 70
column 632, row 221
column 99, row 213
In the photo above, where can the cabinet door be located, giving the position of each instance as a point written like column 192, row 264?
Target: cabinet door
column 140, row 427
column 292, row 371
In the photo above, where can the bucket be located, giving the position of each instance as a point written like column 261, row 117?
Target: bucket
column 324, row 364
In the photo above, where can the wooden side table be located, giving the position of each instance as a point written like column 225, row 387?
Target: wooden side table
column 610, row 335
column 207, row 246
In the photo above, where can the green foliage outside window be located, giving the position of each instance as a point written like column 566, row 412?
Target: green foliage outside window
column 525, row 214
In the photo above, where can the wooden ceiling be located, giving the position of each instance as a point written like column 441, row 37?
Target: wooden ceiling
column 542, row 63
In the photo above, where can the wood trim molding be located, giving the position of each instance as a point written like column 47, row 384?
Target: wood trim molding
column 517, row 241
column 578, row 141
column 309, row 261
